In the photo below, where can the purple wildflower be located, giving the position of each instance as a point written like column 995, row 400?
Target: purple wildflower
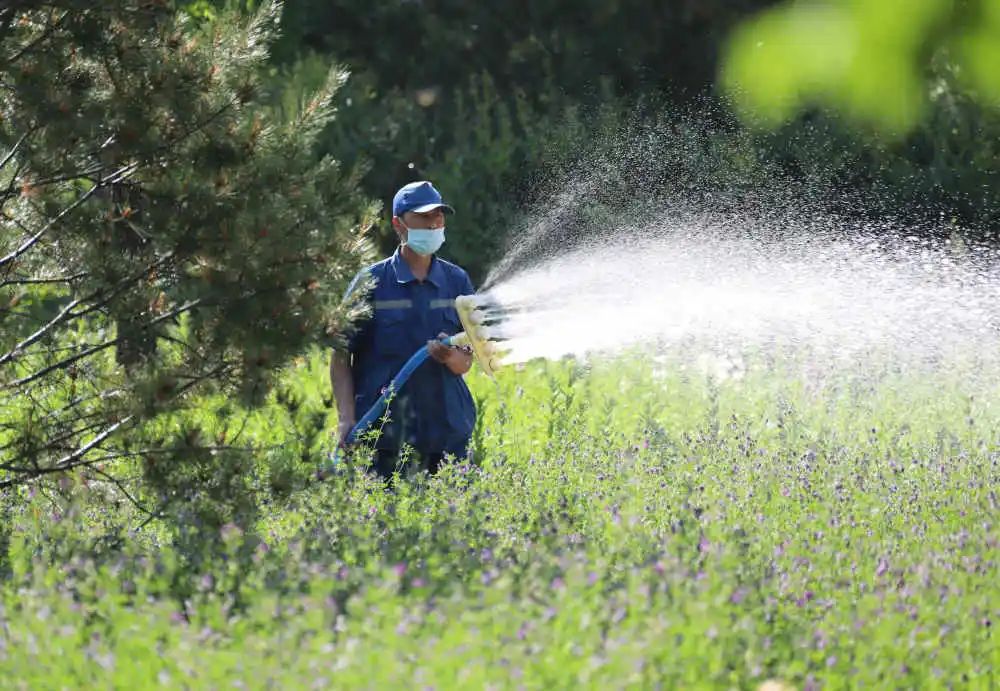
column 882, row 568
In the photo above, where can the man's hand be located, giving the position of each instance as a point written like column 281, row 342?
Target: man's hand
column 344, row 428
column 439, row 351
column 458, row 360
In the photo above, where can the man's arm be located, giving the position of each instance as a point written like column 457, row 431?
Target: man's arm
column 343, row 393
column 341, row 375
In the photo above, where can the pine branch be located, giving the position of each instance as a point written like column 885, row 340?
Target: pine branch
column 49, row 30
column 262, row 30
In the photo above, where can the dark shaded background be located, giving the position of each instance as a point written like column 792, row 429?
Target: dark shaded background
column 499, row 103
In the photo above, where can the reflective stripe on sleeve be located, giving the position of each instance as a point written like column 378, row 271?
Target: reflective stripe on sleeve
column 442, row 303
column 393, row 304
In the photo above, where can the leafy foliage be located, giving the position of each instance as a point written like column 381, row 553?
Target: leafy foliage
column 163, row 233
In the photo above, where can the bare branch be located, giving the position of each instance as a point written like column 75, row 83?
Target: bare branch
column 121, row 488
column 119, row 175
column 199, row 379
column 56, row 442
column 69, row 461
column 118, row 455
column 36, row 281
column 122, row 285
column 75, row 175
column 67, row 312
column 19, row 348
column 62, row 364
column 12, row 184
column 79, row 400
column 27, row 245
column 13, row 150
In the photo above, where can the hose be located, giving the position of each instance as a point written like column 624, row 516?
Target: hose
column 379, row 406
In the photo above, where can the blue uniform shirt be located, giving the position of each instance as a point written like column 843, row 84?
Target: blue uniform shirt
column 433, row 412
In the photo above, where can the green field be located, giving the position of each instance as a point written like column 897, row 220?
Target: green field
column 636, row 523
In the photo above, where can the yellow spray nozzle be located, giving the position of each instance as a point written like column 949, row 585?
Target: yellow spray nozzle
column 476, row 334
column 459, row 339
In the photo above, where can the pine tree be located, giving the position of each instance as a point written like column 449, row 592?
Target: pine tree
column 162, row 235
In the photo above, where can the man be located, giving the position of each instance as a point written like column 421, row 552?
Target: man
column 413, row 302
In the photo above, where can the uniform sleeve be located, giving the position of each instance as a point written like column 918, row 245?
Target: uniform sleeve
column 465, row 285
column 357, row 291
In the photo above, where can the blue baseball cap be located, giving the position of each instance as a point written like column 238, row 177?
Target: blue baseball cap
column 420, row 197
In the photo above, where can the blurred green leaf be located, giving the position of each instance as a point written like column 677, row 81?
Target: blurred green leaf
column 868, row 58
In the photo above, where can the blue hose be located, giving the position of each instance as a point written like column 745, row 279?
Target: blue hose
column 375, row 412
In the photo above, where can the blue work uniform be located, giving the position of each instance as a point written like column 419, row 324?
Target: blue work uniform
column 434, row 411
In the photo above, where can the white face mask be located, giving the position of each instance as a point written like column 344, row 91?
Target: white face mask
column 424, row 241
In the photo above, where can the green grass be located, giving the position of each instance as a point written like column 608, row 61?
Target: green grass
column 631, row 524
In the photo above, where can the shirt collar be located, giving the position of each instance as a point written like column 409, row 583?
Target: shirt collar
column 404, row 274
